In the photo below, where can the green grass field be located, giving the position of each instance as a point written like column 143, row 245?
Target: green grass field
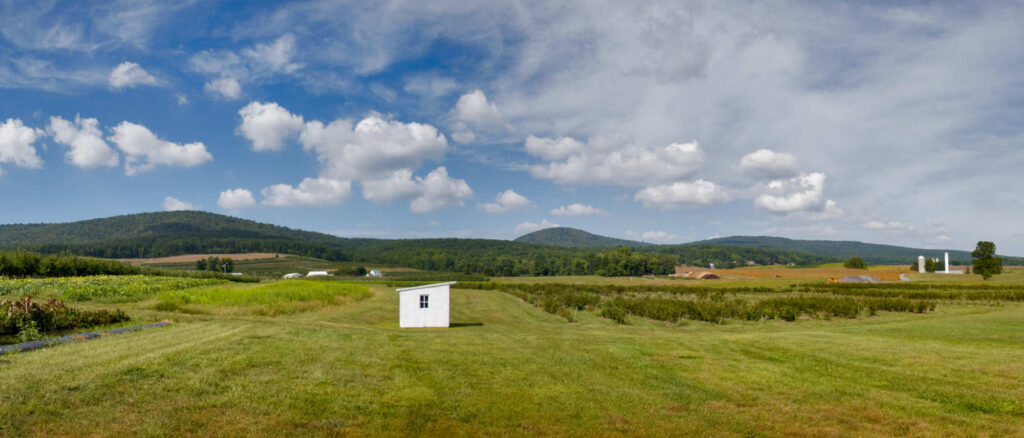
column 509, row 368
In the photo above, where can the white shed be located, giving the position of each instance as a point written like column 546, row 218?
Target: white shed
column 317, row 274
column 424, row 306
column 292, row 275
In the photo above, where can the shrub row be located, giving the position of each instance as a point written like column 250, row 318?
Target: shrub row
column 21, row 264
column 784, row 308
column 52, row 315
column 616, row 289
column 925, row 293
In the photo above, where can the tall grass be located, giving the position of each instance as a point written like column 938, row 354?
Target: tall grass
column 106, row 287
column 266, row 294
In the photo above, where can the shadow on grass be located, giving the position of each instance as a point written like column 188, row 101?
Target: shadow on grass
column 465, row 324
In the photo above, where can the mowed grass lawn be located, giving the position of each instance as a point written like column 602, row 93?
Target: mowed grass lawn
column 507, row 368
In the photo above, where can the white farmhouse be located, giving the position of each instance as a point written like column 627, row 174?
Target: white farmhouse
column 424, row 306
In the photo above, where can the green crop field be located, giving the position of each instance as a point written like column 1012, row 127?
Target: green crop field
column 511, row 366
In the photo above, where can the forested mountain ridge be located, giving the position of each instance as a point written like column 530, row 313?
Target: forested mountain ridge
column 575, row 238
column 174, row 233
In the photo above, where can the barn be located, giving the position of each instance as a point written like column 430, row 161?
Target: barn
column 424, row 306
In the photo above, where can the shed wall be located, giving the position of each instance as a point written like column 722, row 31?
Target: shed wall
column 410, row 313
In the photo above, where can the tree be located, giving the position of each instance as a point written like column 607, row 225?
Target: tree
column 929, row 265
column 227, row 264
column 855, row 263
column 201, row 265
column 985, row 262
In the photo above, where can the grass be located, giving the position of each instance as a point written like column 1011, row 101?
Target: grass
column 508, row 368
column 107, row 288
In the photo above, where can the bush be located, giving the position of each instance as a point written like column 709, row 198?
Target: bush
column 855, row 263
column 614, row 313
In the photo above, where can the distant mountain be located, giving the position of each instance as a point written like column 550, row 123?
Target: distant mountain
column 574, row 238
column 872, row 253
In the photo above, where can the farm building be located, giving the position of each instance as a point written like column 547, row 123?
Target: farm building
column 375, row 273
column 317, row 274
column 424, row 306
column 292, row 275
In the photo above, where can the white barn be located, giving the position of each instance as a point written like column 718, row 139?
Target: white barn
column 424, row 306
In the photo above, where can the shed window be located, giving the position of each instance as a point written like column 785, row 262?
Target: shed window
column 424, row 301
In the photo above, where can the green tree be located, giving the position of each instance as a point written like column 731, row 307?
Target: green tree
column 201, row 265
column 855, row 263
column 985, row 262
column 929, row 265
column 227, row 264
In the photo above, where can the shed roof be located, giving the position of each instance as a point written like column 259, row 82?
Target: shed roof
column 425, row 286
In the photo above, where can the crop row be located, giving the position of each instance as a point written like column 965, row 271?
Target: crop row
column 121, row 287
column 615, row 289
column 937, row 293
column 24, row 314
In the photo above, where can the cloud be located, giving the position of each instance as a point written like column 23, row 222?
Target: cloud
column 682, row 194
column 434, row 192
column 310, row 192
column 429, row 85
column 181, row 99
column 577, row 210
column 374, row 148
column 144, row 150
column 652, row 236
column 604, row 161
column 267, row 125
column 17, row 144
column 227, row 69
column 228, row 88
column 765, row 164
column 276, row 56
column 174, row 204
column 473, row 112
column 438, row 191
column 129, row 75
column 86, row 147
column 803, row 193
column 529, row 227
column 505, row 202
column 236, row 199
column 887, row 225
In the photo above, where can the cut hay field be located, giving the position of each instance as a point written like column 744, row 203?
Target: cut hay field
column 192, row 258
column 510, row 368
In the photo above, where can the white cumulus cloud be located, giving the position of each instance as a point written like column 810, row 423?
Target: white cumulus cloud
column 804, row 193
column 17, row 144
column 529, row 227
column 765, row 164
column 577, row 209
column 175, row 204
column 434, row 192
column 267, row 125
column 682, row 194
column 144, row 150
column 506, row 201
column 86, row 147
column 236, row 199
column 373, row 148
column 129, row 75
column 228, row 88
column 603, row 161
column 310, row 192
column 474, row 113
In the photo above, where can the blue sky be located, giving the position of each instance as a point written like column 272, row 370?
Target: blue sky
column 659, row 121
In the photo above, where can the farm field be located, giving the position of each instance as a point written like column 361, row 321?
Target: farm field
column 506, row 367
column 267, row 265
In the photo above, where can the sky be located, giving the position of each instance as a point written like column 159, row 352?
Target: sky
column 667, row 122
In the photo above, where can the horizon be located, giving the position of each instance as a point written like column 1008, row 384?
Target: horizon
column 881, row 122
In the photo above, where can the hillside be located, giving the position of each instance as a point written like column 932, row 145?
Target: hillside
column 574, row 238
column 842, row 249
